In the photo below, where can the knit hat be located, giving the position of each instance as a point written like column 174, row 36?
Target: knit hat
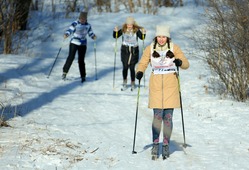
column 130, row 20
column 162, row 30
column 83, row 15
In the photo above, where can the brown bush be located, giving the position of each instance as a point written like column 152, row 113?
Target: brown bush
column 225, row 43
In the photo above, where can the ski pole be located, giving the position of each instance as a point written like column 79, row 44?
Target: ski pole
column 115, row 51
column 135, row 130
column 183, row 129
column 54, row 62
column 143, row 51
column 94, row 45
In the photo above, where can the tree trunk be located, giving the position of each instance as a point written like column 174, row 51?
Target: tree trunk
column 131, row 6
column 7, row 38
column 21, row 14
column 34, row 5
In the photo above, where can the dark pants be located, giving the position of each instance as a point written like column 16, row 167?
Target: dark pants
column 129, row 58
column 125, row 71
column 165, row 116
column 81, row 58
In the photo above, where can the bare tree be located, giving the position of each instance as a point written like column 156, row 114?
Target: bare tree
column 7, row 15
column 149, row 6
column 99, row 4
column 21, row 13
column 108, row 6
column 116, row 5
column 225, row 42
column 131, row 6
column 139, row 4
column 168, row 3
column 71, row 6
column 34, row 5
column 14, row 15
column 1, row 20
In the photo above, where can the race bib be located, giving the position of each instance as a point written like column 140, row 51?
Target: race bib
column 130, row 39
column 163, row 64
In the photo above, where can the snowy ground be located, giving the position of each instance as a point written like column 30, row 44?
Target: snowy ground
column 56, row 124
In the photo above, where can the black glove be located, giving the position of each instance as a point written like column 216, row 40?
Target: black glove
column 170, row 54
column 178, row 62
column 139, row 75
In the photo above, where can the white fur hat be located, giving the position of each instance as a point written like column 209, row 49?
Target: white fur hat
column 162, row 30
column 130, row 20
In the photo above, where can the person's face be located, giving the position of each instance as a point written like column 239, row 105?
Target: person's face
column 129, row 26
column 161, row 40
column 82, row 20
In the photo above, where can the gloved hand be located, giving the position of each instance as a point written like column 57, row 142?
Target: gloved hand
column 178, row 62
column 95, row 37
column 139, row 75
column 65, row 36
column 170, row 54
column 143, row 31
column 115, row 29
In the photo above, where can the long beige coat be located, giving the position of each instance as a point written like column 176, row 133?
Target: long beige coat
column 163, row 88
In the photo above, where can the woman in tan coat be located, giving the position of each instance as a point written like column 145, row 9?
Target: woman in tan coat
column 164, row 57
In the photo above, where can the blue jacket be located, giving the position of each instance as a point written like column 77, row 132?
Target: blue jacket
column 79, row 32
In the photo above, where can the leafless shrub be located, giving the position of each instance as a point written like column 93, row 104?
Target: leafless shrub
column 103, row 5
column 71, row 6
column 199, row 2
column 3, row 122
column 34, row 5
column 132, row 6
column 225, row 43
column 13, row 17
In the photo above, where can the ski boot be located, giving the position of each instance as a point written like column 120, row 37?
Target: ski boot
column 132, row 85
column 155, row 151
column 83, row 79
column 124, row 87
column 64, row 76
column 165, row 152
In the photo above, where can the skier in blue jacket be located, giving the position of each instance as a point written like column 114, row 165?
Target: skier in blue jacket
column 79, row 29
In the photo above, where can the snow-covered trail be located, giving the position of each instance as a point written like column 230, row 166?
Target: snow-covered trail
column 91, row 125
column 69, row 125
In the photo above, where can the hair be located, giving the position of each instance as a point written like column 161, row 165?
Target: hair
column 155, row 53
column 135, row 27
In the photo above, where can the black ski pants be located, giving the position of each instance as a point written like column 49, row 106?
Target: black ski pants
column 81, row 58
column 129, row 58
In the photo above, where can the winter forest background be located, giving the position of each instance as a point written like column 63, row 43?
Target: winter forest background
column 42, row 129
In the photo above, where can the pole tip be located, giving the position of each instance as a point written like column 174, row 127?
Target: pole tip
column 184, row 145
